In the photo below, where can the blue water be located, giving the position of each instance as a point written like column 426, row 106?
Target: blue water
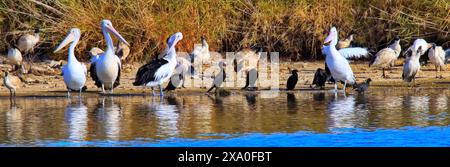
column 403, row 137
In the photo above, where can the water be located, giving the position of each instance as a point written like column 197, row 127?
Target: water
column 383, row 117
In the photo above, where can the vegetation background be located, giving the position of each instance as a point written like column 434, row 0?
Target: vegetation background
column 295, row 28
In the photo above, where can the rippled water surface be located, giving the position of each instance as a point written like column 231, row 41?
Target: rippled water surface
column 385, row 117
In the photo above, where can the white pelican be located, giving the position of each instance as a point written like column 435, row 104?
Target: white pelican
column 8, row 84
column 74, row 72
column 106, row 70
column 386, row 57
column 345, row 43
column 411, row 66
column 159, row 70
column 27, row 42
column 219, row 78
column 15, row 58
column 201, row 52
column 437, row 56
column 339, row 67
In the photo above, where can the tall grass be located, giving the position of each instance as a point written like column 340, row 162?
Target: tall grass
column 295, row 28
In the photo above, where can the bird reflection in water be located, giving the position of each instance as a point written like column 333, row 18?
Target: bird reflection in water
column 291, row 103
column 167, row 114
column 342, row 112
column 15, row 124
column 319, row 96
column 76, row 116
column 250, row 97
column 111, row 115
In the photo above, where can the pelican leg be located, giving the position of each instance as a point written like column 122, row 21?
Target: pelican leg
column 103, row 88
column 68, row 93
column 112, row 88
column 384, row 74
column 335, row 87
column 80, row 92
column 345, row 86
column 153, row 92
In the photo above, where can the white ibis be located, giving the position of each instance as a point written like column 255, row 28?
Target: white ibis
column 412, row 66
column 436, row 55
column 8, row 84
column 15, row 58
column 106, row 70
column 386, row 57
column 201, row 52
column 27, row 42
column 159, row 70
column 424, row 45
column 339, row 67
column 74, row 72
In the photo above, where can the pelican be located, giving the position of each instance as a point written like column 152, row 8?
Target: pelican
column 8, row 84
column 339, row 67
column 346, row 42
column 15, row 58
column 219, row 78
column 74, row 72
column 122, row 51
column 159, row 70
column 411, row 66
column 106, row 70
column 200, row 52
column 386, row 57
column 437, row 56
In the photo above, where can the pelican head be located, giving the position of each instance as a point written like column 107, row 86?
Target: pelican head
column 173, row 40
column 107, row 25
column 332, row 37
column 74, row 35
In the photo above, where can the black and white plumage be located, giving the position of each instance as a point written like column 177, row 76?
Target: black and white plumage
column 8, row 84
column 105, row 70
column 15, row 58
column 292, row 80
column 411, row 66
column 200, row 53
column 219, row 78
column 362, row 87
column 320, row 78
column 250, row 81
column 159, row 70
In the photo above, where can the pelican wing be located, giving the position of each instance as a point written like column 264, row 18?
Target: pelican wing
column 354, row 53
column 147, row 72
column 93, row 73
column 63, row 69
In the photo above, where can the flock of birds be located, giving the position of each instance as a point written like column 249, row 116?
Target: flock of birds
column 105, row 66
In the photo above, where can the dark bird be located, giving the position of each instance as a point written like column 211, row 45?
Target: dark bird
column 320, row 78
column 362, row 87
column 219, row 78
column 250, row 82
column 292, row 80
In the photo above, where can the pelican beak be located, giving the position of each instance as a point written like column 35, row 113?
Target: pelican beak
column 70, row 38
column 113, row 31
column 329, row 38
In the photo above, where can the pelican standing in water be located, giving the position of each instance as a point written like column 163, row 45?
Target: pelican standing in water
column 74, row 72
column 106, row 70
column 437, row 56
column 339, row 67
column 159, row 70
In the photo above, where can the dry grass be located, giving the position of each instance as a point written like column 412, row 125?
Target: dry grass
column 295, row 28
